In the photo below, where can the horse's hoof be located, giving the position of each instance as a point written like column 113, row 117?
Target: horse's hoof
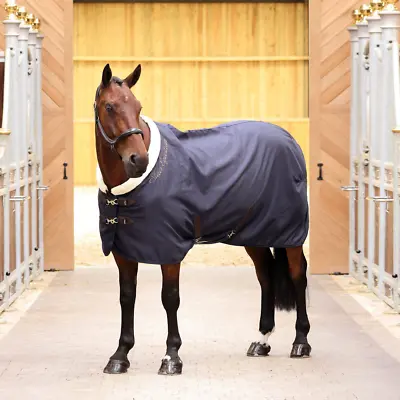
column 257, row 349
column 170, row 366
column 300, row 350
column 116, row 367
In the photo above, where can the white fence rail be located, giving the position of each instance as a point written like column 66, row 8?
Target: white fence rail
column 21, row 158
column 375, row 150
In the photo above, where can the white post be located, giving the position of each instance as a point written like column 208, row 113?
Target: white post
column 375, row 70
column 390, row 26
column 362, row 140
column 15, row 179
column 11, row 27
column 395, row 170
column 396, row 211
column 32, row 134
column 353, row 143
column 39, row 149
column 22, row 161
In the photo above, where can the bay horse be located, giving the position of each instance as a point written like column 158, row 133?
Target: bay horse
column 161, row 191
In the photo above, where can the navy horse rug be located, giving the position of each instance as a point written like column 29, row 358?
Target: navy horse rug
column 242, row 183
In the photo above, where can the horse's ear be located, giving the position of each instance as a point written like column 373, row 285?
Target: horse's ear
column 134, row 76
column 107, row 75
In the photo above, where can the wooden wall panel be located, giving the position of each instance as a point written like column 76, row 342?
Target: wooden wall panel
column 2, row 65
column 329, row 133
column 57, row 81
column 252, row 64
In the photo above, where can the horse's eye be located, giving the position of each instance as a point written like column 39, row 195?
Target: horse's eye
column 108, row 107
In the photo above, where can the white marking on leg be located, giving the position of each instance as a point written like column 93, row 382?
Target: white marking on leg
column 264, row 338
column 167, row 357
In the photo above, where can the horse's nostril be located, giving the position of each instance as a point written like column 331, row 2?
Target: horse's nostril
column 134, row 158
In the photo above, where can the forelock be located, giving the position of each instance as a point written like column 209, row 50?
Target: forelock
column 117, row 80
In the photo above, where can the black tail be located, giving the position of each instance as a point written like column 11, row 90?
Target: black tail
column 285, row 293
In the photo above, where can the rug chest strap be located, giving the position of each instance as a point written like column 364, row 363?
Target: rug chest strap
column 116, row 220
column 120, row 202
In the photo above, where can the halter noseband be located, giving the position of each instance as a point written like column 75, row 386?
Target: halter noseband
column 112, row 142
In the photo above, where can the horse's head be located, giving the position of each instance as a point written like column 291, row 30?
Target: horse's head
column 117, row 120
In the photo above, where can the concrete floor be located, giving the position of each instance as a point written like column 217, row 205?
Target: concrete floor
column 60, row 345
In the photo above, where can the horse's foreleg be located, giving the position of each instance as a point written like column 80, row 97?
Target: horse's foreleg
column 263, row 262
column 298, row 272
column 118, row 362
column 171, row 364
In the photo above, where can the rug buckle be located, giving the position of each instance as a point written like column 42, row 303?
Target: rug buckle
column 111, row 202
column 231, row 234
column 112, row 221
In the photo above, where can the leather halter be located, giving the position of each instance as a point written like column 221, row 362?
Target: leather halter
column 112, row 142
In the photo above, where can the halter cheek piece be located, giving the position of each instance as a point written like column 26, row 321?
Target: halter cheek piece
column 112, row 142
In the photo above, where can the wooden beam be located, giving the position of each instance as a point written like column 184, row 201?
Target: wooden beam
column 189, row 59
column 189, row 1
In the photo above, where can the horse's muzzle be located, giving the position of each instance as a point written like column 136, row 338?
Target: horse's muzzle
column 135, row 165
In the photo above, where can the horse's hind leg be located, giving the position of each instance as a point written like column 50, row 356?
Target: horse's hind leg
column 298, row 272
column 171, row 364
column 264, row 263
column 118, row 362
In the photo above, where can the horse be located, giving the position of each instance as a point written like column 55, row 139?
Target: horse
column 162, row 191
